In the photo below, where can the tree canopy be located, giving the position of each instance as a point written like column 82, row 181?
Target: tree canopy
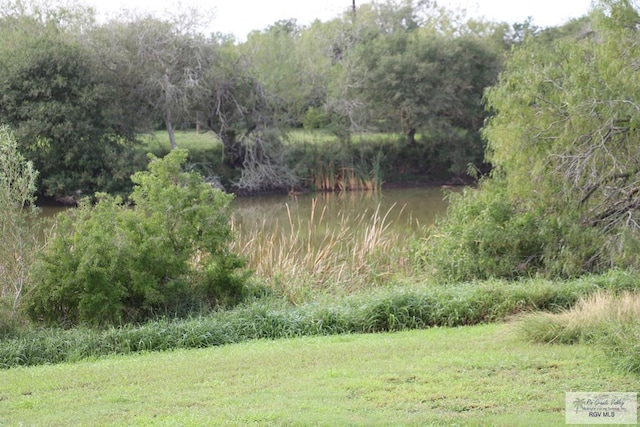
column 60, row 110
column 565, row 189
column 80, row 92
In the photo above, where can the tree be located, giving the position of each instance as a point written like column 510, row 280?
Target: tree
column 563, row 142
column 18, row 223
column 156, row 65
column 575, row 119
column 239, row 110
column 57, row 105
column 418, row 74
column 283, row 60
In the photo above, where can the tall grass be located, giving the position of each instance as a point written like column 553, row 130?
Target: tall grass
column 309, row 254
column 611, row 320
column 374, row 310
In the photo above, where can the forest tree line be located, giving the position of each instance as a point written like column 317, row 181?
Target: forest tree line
column 79, row 93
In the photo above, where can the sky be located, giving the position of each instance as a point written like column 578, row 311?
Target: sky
column 239, row 17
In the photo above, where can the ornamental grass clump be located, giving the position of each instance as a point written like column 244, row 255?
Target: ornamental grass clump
column 591, row 319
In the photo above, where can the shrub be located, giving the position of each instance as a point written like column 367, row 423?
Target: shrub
column 110, row 263
column 488, row 234
column 19, row 226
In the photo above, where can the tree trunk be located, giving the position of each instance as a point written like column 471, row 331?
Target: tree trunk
column 172, row 134
column 234, row 152
column 411, row 136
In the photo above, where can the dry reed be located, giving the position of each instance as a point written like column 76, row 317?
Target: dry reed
column 308, row 254
column 591, row 318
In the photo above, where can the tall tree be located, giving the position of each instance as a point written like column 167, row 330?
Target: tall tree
column 56, row 102
column 156, row 64
column 569, row 110
column 244, row 115
column 416, row 74
column 564, row 196
column 282, row 59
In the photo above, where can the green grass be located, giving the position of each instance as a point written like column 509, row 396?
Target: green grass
column 192, row 140
column 318, row 136
column 158, row 142
column 384, row 309
column 478, row 375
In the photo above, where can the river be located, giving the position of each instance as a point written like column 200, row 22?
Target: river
column 406, row 209
column 403, row 207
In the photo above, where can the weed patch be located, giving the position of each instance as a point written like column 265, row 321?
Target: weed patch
column 310, row 254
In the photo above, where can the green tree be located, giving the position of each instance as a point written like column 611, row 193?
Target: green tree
column 563, row 142
column 284, row 66
column 18, row 223
column 156, row 65
column 418, row 74
column 58, row 107
column 243, row 115
column 571, row 115
column 167, row 254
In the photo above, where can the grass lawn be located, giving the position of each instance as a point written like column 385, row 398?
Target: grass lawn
column 159, row 140
column 480, row 375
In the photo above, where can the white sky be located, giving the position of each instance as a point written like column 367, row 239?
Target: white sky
column 240, row 17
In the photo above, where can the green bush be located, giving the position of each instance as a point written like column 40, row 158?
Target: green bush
column 316, row 118
column 19, row 226
column 110, row 263
column 488, row 234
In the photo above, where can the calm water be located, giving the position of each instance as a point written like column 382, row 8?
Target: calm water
column 405, row 208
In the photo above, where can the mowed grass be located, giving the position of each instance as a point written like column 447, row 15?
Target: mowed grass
column 474, row 375
column 190, row 139
column 158, row 141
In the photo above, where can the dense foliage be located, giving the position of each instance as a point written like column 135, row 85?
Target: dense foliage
column 18, row 226
column 61, row 110
column 168, row 254
column 79, row 92
column 563, row 198
column 561, row 130
column 418, row 80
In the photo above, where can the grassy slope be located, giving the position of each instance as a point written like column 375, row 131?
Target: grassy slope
column 478, row 375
